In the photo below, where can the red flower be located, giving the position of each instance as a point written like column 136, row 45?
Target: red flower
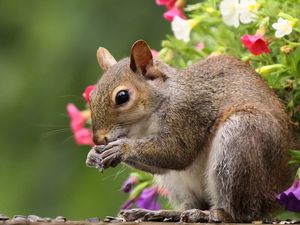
column 172, row 12
column 256, row 44
column 168, row 3
column 87, row 92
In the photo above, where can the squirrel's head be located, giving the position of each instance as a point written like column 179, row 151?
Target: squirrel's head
column 128, row 92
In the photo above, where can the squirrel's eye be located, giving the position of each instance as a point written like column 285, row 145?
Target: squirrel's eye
column 122, row 97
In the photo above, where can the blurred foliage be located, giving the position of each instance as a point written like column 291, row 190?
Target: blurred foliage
column 47, row 58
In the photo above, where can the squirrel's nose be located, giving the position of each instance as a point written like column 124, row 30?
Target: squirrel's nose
column 100, row 137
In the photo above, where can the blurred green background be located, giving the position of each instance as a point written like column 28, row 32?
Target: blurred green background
column 47, row 58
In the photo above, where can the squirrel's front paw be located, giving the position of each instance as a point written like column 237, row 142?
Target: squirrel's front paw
column 110, row 154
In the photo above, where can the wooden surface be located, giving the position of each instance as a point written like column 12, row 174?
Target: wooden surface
column 11, row 222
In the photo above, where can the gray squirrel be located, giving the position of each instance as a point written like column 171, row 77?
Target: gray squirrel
column 214, row 134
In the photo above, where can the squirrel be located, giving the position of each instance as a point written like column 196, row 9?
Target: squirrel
column 214, row 134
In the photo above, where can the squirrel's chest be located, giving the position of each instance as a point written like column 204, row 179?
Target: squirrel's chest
column 186, row 189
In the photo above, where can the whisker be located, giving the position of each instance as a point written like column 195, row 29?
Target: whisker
column 120, row 172
column 50, row 125
column 116, row 174
column 54, row 132
column 67, row 139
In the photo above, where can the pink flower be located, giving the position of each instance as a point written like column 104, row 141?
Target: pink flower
column 84, row 137
column 172, row 12
column 76, row 117
column 87, row 92
column 200, row 46
column 168, row 3
column 256, row 44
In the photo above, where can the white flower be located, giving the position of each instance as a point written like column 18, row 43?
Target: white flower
column 248, row 8
column 282, row 27
column 230, row 11
column 234, row 11
column 181, row 29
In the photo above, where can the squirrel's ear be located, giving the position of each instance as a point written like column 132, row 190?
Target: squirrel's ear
column 105, row 59
column 141, row 57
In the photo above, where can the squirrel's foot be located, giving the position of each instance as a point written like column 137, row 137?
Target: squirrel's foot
column 195, row 216
column 163, row 215
column 219, row 215
column 212, row 216
column 149, row 215
column 133, row 214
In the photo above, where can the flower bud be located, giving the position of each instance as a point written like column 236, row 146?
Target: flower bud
column 266, row 70
column 286, row 49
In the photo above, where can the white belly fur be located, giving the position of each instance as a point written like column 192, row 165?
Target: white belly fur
column 186, row 187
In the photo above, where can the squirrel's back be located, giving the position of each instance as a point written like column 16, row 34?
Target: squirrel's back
column 235, row 86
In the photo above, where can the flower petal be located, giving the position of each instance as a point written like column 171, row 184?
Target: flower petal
column 77, row 120
column 248, row 8
column 171, row 13
column 127, row 186
column 87, row 92
column 256, row 44
column 290, row 198
column 84, row 137
column 128, row 204
column 148, row 199
column 283, row 27
column 181, row 29
column 230, row 12
column 168, row 3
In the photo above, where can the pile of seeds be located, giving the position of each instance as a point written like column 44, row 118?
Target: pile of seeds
column 21, row 219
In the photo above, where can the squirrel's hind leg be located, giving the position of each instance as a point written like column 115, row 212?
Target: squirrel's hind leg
column 243, row 175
